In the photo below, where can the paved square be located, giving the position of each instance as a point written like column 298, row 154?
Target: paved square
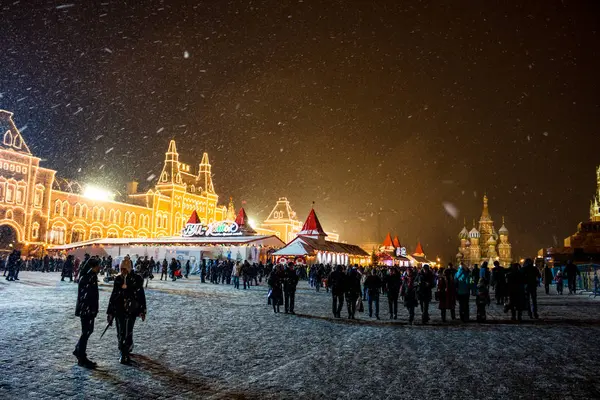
column 211, row 341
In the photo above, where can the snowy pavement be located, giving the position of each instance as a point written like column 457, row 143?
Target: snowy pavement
column 211, row 341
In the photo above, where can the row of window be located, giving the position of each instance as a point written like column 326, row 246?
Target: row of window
column 114, row 216
column 10, row 140
column 12, row 192
column 58, row 234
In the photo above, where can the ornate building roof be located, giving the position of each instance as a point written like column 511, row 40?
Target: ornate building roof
column 312, row 226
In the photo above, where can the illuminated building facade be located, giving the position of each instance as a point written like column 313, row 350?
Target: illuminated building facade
column 40, row 209
column 485, row 243
column 283, row 222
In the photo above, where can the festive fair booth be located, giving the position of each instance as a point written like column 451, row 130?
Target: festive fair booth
column 223, row 240
column 392, row 253
column 310, row 247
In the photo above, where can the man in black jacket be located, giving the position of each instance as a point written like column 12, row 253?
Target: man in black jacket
column 87, row 309
column 499, row 282
column 127, row 302
column 531, row 275
column 353, row 291
column 335, row 282
column 373, row 285
column 548, row 277
column 290, row 281
column 571, row 271
column 393, row 281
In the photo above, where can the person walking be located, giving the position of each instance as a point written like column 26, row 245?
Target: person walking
column 572, row 272
column 531, row 276
column 547, row 278
column 446, row 293
column 276, row 292
column 373, row 285
column 188, row 267
column 236, row 272
column 290, row 281
column 393, row 283
column 474, row 279
column 409, row 292
column 67, row 269
column 499, row 283
column 165, row 269
column 86, row 309
column 127, row 302
column 482, row 299
column 335, row 281
column 424, row 285
column 516, row 292
column 559, row 282
column 353, row 292
column 463, row 289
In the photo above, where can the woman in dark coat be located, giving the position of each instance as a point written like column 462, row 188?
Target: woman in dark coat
column 127, row 302
column 87, row 309
column 275, row 281
column 67, row 269
column 409, row 293
column 515, row 289
column 446, row 293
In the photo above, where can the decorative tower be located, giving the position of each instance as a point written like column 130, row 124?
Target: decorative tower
column 243, row 223
column 595, row 203
column 463, row 236
column 491, row 245
column 396, row 242
column 230, row 211
column 475, row 250
column 312, row 227
column 204, row 178
column 388, row 244
column 486, row 227
column 504, row 248
column 170, row 173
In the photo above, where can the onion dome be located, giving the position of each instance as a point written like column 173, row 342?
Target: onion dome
column 503, row 230
column 492, row 240
column 474, row 234
column 464, row 234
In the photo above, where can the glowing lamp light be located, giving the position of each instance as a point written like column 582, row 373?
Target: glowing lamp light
column 251, row 222
column 97, row 193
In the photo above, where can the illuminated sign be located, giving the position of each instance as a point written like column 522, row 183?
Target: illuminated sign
column 221, row 228
column 401, row 252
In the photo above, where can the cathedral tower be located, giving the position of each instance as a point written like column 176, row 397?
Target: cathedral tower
column 595, row 203
column 486, row 227
column 504, row 248
column 475, row 249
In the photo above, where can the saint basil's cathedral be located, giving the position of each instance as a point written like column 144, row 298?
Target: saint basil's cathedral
column 484, row 243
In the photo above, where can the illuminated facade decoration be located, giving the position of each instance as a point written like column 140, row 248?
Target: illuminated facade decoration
column 283, row 222
column 45, row 210
column 583, row 246
column 478, row 245
column 311, row 247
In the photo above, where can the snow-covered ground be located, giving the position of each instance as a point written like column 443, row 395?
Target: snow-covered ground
column 211, row 341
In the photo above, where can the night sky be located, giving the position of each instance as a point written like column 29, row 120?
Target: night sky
column 404, row 108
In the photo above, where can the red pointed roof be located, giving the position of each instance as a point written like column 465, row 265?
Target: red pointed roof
column 312, row 226
column 388, row 241
column 396, row 242
column 194, row 218
column 419, row 250
column 242, row 221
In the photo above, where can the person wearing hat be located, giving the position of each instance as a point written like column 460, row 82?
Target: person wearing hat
column 127, row 302
column 87, row 309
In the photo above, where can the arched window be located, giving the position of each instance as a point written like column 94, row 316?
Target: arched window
column 95, row 214
column 17, row 142
column 57, row 234
column 132, row 220
column 95, row 233
column 112, row 234
column 84, row 211
column 78, row 234
column 57, row 207
column 127, row 234
column 111, row 216
column 39, row 196
column 118, row 217
column 126, row 221
column 165, row 222
column 101, row 214
column 10, row 192
column 35, row 230
column 159, row 220
column 65, row 209
column 8, row 138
